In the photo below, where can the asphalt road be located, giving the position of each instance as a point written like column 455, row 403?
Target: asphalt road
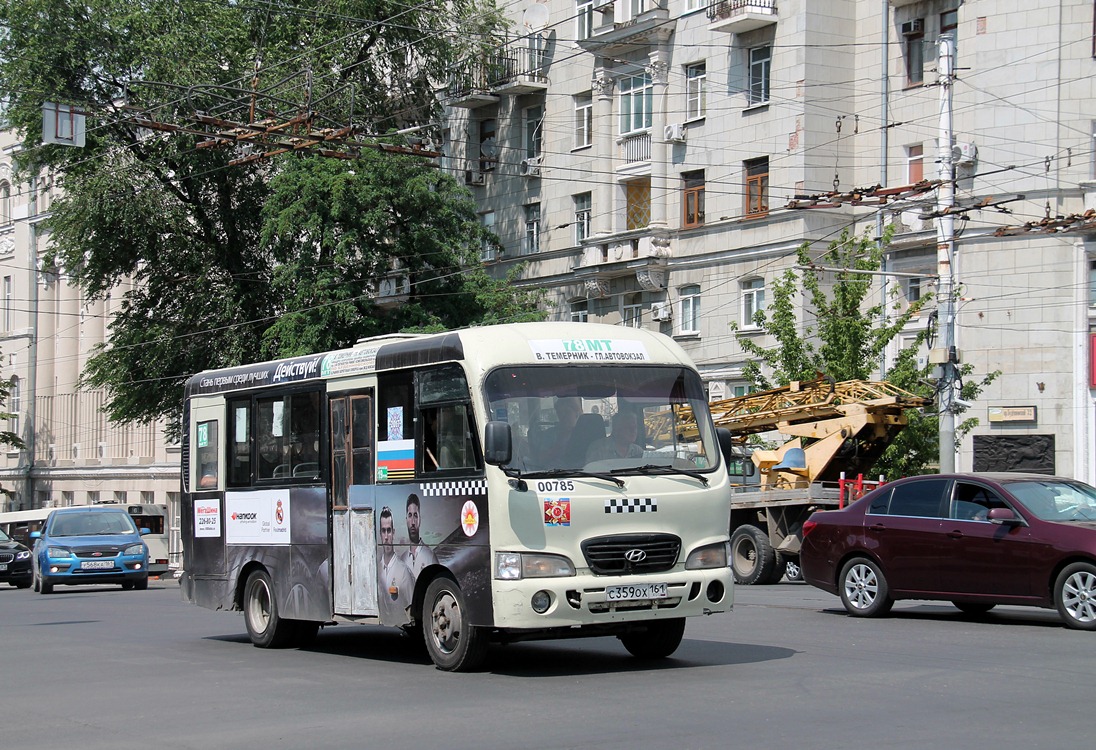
column 98, row 667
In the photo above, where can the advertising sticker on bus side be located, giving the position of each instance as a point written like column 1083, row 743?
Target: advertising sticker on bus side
column 588, row 350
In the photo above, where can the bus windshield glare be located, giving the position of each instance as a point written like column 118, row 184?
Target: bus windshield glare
column 603, row 418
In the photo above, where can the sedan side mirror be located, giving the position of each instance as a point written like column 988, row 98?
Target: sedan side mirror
column 1004, row 516
column 36, row 535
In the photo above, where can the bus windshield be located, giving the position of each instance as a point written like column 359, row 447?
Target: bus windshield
column 603, row 419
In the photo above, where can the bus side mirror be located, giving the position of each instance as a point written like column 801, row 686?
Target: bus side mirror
column 498, row 443
column 737, row 464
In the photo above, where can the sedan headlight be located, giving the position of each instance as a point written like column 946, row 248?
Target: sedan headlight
column 22, row 555
column 58, row 552
column 134, row 549
column 513, row 566
column 709, row 556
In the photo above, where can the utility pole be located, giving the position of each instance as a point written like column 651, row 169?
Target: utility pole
column 944, row 356
column 32, row 364
column 884, row 128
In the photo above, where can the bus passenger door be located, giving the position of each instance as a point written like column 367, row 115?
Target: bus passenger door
column 354, row 558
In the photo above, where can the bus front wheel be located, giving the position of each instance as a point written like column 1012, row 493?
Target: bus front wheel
column 657, row 640
column 453, row 643
column 264, row 626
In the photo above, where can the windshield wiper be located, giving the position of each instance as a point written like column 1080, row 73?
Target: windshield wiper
column 663, row 469
column 548, row 473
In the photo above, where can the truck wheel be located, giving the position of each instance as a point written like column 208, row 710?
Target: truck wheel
column 453, row 643
column 265, row 628
column 753, row 559
column 658, row 640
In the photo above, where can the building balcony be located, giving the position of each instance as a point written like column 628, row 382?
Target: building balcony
column 521, row 67
column 740, row 16
column 470, row 84
column 640, row 253
column 634, row 154
column 628, row 24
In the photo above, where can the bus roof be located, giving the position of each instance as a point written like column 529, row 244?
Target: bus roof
column 485, row 347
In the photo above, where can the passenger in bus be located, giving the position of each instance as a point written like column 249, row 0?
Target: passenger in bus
column 621, row 442
column 554, row 446
column 418, row 555
column 395, row 582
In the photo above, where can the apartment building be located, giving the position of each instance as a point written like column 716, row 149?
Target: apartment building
column 656, row 163
column 79, row 456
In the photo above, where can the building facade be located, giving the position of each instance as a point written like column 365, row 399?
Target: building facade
column 657, row 163
column 74, row 455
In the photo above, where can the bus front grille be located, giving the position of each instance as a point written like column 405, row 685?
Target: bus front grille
column 626, row 554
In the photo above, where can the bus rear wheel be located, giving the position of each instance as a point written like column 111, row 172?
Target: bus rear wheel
column 453, row 643
column 657, row 640
column 265, row 627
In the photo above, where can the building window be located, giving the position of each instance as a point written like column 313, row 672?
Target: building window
column 1092, row 283
column 949, row 21
column 534, row 117
column 757, row 187
column 584, row 120
column 753, row 301
column 93, row 497
column 760, row 71
column 691, row 5
column 584, row 19
column 637, row 195
column 690, row 308
column 7, row 303
column 693, row 199
column 490, row 247
column 580, row 311
column 583, row 209
column 120, row 497
column 915, row 163
column 636, row 95
column 914, row 48
column 5, row 203
column 531, row 241
column 913, row 289
column 488, row 144
column 696, row 91
column 742, row 390
column 631, row 314
column 14, row 405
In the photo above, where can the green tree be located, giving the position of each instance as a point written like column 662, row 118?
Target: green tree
column 842, row 335
column 228, row 260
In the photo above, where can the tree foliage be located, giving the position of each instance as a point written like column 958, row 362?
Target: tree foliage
column 223, row 262
column 838, row 332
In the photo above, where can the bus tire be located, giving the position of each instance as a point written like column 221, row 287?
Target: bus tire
column 264, row 627
column 753, row 559
column 657, row 640
column 454, row 645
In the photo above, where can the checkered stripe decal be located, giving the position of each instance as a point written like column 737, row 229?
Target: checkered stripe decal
column 458, row 487
column 631, row 505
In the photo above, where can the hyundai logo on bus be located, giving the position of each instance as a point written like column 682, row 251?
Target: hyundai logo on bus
column 635, row 555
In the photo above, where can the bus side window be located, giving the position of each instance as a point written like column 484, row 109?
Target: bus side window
column 447, row 438
column 239, row 426
column 208, row 454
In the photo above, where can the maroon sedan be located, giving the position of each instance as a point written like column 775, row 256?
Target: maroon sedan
column 976, row 540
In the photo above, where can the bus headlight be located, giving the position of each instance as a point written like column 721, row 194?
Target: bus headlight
column 513, row 566
column 58, row 552
column 134, row 549
column 709, row 556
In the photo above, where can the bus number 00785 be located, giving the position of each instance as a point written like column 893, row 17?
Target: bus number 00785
column 556, row 485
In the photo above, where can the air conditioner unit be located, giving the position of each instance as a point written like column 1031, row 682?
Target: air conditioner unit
column 474, row 177
column 916, row 26
column 675, row 133
column 964, row 154
column 530, row 167
column 662, row 311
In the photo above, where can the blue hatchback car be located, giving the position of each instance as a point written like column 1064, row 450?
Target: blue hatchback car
column 93, row 544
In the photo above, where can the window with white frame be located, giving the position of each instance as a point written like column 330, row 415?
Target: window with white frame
column 580, row 311
column 690, row 308
column 534, row 118
column 760, row 72
column 631, row 311
column 7, row 303
column 489, row 249
column 488, row 144
column 915, row 163
column 1092, row 283
column 913, row 288
column 584, row 120
column 913, row 47
column 14, row 405
column 753, row 301
column 636, row 97
column 696, row 91
column 583, row 210
column 531, row 241
column 691, row 5
column 5, row 203
column 584, row 19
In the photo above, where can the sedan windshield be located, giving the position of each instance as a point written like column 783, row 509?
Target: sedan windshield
column 604, row 419
column 87, row 524
column 1056, row 500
